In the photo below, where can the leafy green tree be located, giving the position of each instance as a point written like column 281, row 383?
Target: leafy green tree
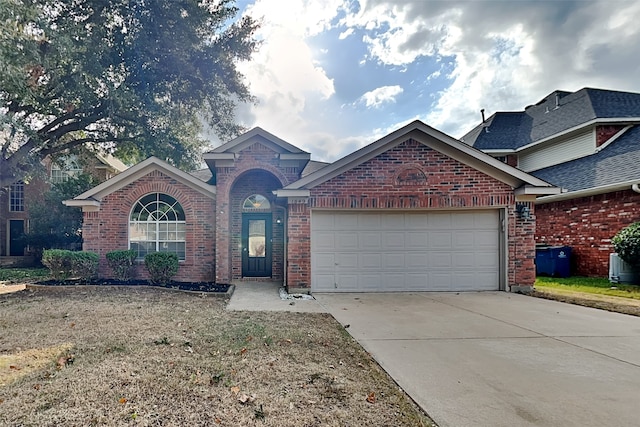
column 137, row 77
column 53, row 225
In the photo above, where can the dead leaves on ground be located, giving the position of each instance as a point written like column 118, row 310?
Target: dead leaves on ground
column 24, row 362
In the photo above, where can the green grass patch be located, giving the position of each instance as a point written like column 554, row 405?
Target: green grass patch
column 17, row 274
column 588, row 285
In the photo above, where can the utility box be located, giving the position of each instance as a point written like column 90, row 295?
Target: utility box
column 621, row 272
column 553, row 261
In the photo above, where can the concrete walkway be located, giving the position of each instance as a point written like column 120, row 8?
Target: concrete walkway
column 260, row 296
column 490, row 358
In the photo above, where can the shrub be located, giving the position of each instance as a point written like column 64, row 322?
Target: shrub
column 162, row 266
column 627, row 244
column 121, row 263
column 84, row 265
column 58, row 261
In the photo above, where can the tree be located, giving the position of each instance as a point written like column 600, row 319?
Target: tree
column 53, row 225
column 136, row 77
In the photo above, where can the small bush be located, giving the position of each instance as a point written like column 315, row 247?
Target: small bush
column 121, row 263
column 58, row 261
column 162, row 266
column 84, row 265
column 627, row 244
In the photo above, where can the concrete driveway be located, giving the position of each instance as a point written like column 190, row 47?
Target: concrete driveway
column 501, row 359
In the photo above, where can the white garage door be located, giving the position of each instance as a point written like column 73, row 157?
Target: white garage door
column 404, row 251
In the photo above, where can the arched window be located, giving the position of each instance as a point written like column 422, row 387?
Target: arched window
column 157, row 224
column 256, row 202
column 64, row 168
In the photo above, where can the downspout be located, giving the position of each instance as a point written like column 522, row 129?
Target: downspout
column 636, row 187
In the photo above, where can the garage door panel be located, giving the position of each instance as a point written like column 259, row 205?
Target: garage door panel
column 416, row 240
column 370, row 261
column 440, row 240
column 370, row 241
column 396, row 261
column 346, row 241
column 346, row 261
column 394, row 239
column 324, row 261
column 393, row 221
column 405, row 251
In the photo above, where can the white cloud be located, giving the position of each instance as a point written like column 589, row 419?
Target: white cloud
column 377, row 97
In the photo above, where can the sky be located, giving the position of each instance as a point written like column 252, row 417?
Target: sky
column 331, row 76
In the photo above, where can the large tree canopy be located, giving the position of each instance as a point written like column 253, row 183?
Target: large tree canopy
column 138, row 77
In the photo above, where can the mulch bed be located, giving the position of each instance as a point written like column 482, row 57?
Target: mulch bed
column 184, row 286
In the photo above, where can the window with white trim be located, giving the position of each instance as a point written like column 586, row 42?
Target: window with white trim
column 157, row 224
column 16, row 197
column 64, row 168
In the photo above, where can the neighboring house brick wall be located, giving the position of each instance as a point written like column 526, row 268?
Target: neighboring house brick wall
column 108, row 229
column 587, row 225
column 449, row 185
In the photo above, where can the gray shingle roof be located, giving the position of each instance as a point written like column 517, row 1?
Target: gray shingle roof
column 555, row 113
column 616, row 163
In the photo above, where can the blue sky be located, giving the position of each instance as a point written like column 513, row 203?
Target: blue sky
column 334, row 75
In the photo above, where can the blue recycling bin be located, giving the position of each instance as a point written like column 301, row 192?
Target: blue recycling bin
column 553, row 261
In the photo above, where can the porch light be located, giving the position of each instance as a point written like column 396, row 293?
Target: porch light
column 523, row 211
column 279, row 221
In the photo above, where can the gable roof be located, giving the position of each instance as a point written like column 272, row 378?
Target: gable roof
column 616, row 165
column 557, row 113
column 435, row 139
column 226, row 154
column 93, row 196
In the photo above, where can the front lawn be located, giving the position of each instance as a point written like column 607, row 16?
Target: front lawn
column 140, row 356
column 587, row 285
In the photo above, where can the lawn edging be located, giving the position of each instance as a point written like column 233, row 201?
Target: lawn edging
column 226, row 294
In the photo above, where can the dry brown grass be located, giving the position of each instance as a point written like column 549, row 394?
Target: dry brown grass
column 154, row 357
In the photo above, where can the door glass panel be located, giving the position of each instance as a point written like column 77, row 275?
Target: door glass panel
column 257, row 240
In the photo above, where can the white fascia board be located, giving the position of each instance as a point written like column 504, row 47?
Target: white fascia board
column 590, row 123
column 537, row 191
column 292, row 193
column 295, row 156
column 219, row 156
column 81, row 203
column 498, row 151
column 588, row 192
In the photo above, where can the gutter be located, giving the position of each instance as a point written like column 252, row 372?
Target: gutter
column 633, row 185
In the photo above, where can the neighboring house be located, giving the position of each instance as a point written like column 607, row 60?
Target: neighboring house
column 15, row 200
column 416, row 210
column 586, row 142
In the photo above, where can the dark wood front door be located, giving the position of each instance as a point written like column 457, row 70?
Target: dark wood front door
column 256, row 245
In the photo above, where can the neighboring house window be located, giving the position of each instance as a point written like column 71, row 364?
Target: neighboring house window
column 64, row 168
column 157, row 224
column 16, row 197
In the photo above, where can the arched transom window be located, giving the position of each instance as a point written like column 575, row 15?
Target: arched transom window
column 256, row 202
column 157, row 224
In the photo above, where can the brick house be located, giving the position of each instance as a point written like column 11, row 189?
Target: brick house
column 15, row 199
column 586, row 142
column 415, row 210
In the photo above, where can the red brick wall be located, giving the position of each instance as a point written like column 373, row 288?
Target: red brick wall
column 256, row 158
column 107, row 229
column 604, row 133
column 380, row 184
column 587, row 225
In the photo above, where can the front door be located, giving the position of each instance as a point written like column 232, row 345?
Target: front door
column 16, row 237
column 256, row 245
